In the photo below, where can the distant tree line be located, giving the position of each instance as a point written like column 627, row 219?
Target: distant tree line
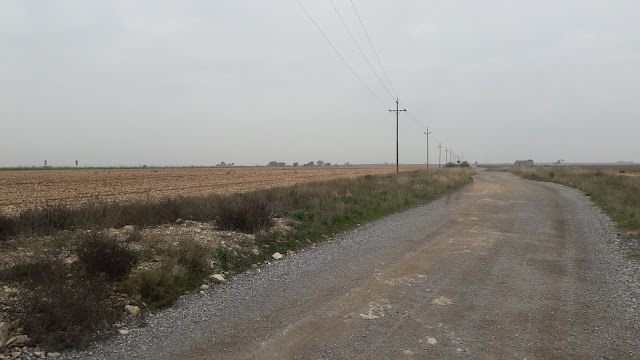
column 296, row 164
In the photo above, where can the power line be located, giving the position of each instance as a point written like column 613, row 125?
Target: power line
column 338, row 53
column 359, row 48
column 374, row 49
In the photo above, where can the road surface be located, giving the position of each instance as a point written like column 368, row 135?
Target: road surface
column 505, row 269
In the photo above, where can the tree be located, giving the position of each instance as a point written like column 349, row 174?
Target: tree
column 76, row 163
column 320, row 163
column 310, row 163
column 45, row 163
column 295, row 164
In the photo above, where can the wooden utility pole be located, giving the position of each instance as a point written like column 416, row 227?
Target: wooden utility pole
column 439, row 153
column 427, row 133
column 397, row 111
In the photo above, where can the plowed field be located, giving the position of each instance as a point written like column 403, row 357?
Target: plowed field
column 20, row 190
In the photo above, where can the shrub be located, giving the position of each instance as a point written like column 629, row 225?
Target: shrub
column 48, row 219
column 157, row 288
column 192, row 255
column 8, row 227
column 243, row 213
column 36, row 271
column 62, row 313
column 183, row 268
column 99, row 253
column 57, row 307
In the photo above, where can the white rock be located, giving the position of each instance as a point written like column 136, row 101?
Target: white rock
column 125, row 228
column 53, row 354
column 217, row 277
column 20, row 341
column 39, row 354
column 123, row 331
column 132, row 309
column 204, row 287
column 277, row 256
column 255, row 252
column 4, row 332
column 431, row 341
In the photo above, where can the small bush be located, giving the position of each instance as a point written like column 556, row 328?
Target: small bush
column 57, row 306
column 157, row 288
column 63, row 313
column 183, row 268
column 243, row 213
column 48, row 219
column 99, row 253
column 36, row 271
column 8, row 227
column 192, row 255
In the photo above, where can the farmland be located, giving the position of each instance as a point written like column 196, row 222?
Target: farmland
column 20, row 190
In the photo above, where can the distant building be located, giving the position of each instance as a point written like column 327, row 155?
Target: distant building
column 523, row 163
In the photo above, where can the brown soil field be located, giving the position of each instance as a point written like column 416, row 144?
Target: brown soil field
column 20, row 190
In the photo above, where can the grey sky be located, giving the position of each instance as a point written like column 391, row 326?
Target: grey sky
column 199, row 82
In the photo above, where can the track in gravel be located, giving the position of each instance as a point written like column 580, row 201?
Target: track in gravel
column 507, row 268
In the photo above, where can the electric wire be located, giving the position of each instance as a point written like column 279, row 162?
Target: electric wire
column 361, row 52
column 374, row 49
column 338, row 53
column 440, row 140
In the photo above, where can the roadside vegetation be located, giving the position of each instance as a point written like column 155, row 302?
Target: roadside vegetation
column 616, row 192
column 69, row 274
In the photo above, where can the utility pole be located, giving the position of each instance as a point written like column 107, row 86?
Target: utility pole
column 446, row 156
column 439, row 153
column 397, row 111
column 427, row 133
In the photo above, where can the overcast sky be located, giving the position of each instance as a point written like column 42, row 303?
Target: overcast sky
column 199, row 82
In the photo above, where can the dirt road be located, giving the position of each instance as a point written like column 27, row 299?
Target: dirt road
column 506, row 269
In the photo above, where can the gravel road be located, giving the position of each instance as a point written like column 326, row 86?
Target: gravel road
column 506, row 268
